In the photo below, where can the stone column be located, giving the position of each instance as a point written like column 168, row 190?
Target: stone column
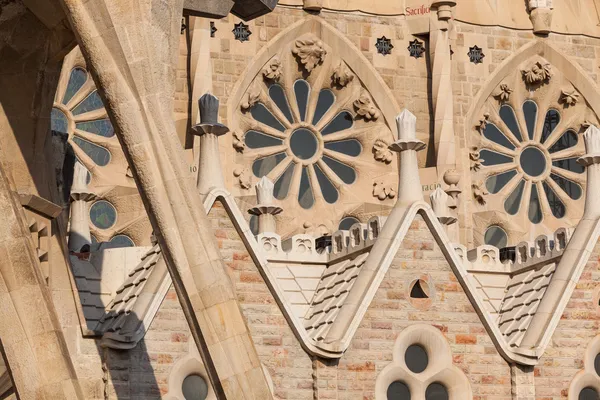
column 132, row 49
column 79, row 232
column 441, row 84
column 409, row 187
column 522, row 382
column 209, row 129
column 591, row 160
column 265, row 209
column 540, row 14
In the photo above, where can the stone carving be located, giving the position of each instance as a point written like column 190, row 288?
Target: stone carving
column 365, row 108
column 475, row 158
column 243, row 177
column 342, row 75
column 310, row 52
column 303, row 245
column 270, row 244
column 238, row 142
column 251, row 97
column 483, row 123
column 273, row 70
column 381, row 152
column 569, row 97
column 538, row 73
column 504, row 93
column 479, row 192
column 383, row 191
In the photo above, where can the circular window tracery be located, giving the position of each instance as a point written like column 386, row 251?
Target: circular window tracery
column 537, row 168
column 297, row 146
column 103, row 215
column 416, row 358
column 496, row 236
column 398, row 391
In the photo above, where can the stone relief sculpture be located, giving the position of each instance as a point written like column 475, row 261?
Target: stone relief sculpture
column 273, row 70
column 483, row 122
column 252, row 97
column 342, row 75
column 538, row 73
column 243, row 177
column 475, row 159
column 310, row 52
column 504, row 93
column 382, row 190
column 365, row 107
column 569, row 97
column 479, row 192
column 381, row 152
column 238, row 142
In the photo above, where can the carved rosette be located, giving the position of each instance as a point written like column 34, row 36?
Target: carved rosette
column 365, row 107
column 483, row 122
column 479, row 192
column 273, row 70
column 569, row 97
column 504, row 92
column 538, row 73
column 310, row 52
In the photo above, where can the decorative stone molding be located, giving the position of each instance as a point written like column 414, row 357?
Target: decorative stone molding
column 587, row 377
column 544, row 249
column 475, row 159
column 440, row 368
column 358, row 237
column 483, row 123
column 365, row 107
column 444, row 8
column 569, row 97
column 310, row 52
column 252, row 97
column 382, row 191
column 504, row 92
column 243, row 176
column 479, row 192
column 238, row 142
column 273, row 70
column 541, row 16
column 381, row 151
column 538, row 73
column 210, row 174
column 451, row 178
column 313, row 5
column 265, row 209
column 439, row 203
column 342, row 75
column 484, row 255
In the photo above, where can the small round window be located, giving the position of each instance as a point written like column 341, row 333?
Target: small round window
column 436, row 391
column 103, row 215
column 496, row 236
column 122, row 241
column 416, row 358
column 398, row 391
column 194, row 387
column 346, row 223
column 588, row 394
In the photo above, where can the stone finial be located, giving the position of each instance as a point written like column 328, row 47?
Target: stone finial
column 439, row 203
column 407, row 125
column 264, row 191
column 451, row 178
column 591, row 138
column 208, row 106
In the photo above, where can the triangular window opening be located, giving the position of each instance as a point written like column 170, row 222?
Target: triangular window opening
column 417, row 291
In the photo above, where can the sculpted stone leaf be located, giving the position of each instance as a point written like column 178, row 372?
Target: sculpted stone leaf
column 569, row 97
column 382, row 190
column 475, row 159
column 273, row 70
column 382, row 152
column 342, row 75
column 310, row 52
column 479, row 192
column 243, row 177
column 365, row 107
column 251, row 97
column 238, row 142
column 483, row 122
column 504, row 93
column 538, row 73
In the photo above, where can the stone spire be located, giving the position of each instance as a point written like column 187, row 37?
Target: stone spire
column 439, row 203
column 591, row 160
column 209, row 129
column 265, row 209
column 79, row 233
column 409, row 187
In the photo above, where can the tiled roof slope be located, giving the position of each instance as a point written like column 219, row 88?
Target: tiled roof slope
column 336, row 282
column 127, row 313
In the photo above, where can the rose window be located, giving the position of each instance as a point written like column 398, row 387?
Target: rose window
column 531, row 161
column 311, row 153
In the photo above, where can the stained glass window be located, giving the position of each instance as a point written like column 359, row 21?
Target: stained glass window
column 102, row 214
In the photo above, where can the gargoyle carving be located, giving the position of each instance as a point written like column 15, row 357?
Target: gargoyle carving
column 383, row 191
column 479, row 192
column 251, row 97
column 483, row 123
column 365, row 107
column 342, row 75
column 538, row 73
column 273, row 70
column 238, row 142
column 243, row 177
column 569, row 97
column 504, row 93
column 310, row 52
column 475, row 159
column 382, row 152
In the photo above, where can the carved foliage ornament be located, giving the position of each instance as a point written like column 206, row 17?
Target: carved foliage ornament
column 538, row 73
column 251, row 97
column 310, row 52
column 381, row 151
column 504, row 93
column 273, row 69
column 365, row 107
column 569, row 97
column 238, row 142
column 243, row 177
column 342, row 75
column 479, row 192
column 483, row 122
column 383, row 191
column 475, row 159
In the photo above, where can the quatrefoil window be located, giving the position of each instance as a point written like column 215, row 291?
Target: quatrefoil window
column 310, row 155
